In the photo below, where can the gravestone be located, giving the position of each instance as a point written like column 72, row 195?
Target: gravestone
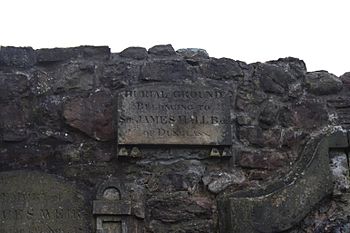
column 35, row 202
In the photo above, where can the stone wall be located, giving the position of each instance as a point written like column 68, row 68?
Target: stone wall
column 286, row 169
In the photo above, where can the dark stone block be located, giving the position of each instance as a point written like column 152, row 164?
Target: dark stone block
column 63, row 54
column 269, row 160
column 164, row 70
column 92, row 115
column 294, row 66
column 310, row 115
column 193, row 53
column 269, row 114
column 345, row 78
column 339, row 140
column 162, row 50
column 13, row 122
column 273, row 79
column 13, row 85
column 138, row 53
column 221, row 69
column 178, row 207
column 23, row 57
column 323, row 83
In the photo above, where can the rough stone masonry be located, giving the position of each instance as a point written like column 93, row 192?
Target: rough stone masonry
column 169, row 141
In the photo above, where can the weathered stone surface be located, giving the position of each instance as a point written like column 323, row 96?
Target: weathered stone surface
column 137, row 53
column 13, row 122
column 63, row 54
column 340, row 170
column 273, row 79
column 280, row 208
column 58, row 114
column 193, row 53
column 119, row 207
column 308, row 114
column 38, row 202
column 13, row 85
column 162, row 50
column 269, row 114
column 294, row 66
column 221, row 69
column 219, row 181
column 174, row 114
column 339, row 140
column 264, row 159
column 173, row 212
column 164, row 70
column 323, row 83
column 92, row 115
column 118, row 75
column 23, row 57
column 345, row 78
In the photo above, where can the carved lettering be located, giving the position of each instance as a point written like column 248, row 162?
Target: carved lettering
column 173, row 114
column 41, row 203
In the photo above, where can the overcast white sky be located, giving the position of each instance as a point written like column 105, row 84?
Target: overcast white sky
column 316, row 31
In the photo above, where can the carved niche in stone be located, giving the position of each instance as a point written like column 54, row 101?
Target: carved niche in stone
column 116, row 210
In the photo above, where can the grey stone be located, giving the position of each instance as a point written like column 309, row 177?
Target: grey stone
column 339, row 139
column 273, row 79
column 13, row 122
column 263, row 159
column 340, row 170
column 193, row 53
column 221, row 69
column 164, row 70
column 345, row 78
column 219, row 181
column 64, row 54
column 179, row 209
column 138, row 53
column 162, row 50
column 269, row 114
column 294, row 66
column 23, row 57
column 323, row 83
column 14, row 85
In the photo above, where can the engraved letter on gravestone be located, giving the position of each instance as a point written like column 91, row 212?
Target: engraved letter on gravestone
column 34, row 202
column 174, row 114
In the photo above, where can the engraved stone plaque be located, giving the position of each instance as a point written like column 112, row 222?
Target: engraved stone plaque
column 34, row 202
column 174, row 114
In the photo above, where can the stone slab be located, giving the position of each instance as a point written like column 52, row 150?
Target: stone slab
column 34, row 202
column 174, row 114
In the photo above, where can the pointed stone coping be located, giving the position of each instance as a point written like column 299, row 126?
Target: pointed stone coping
column 281, row 205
